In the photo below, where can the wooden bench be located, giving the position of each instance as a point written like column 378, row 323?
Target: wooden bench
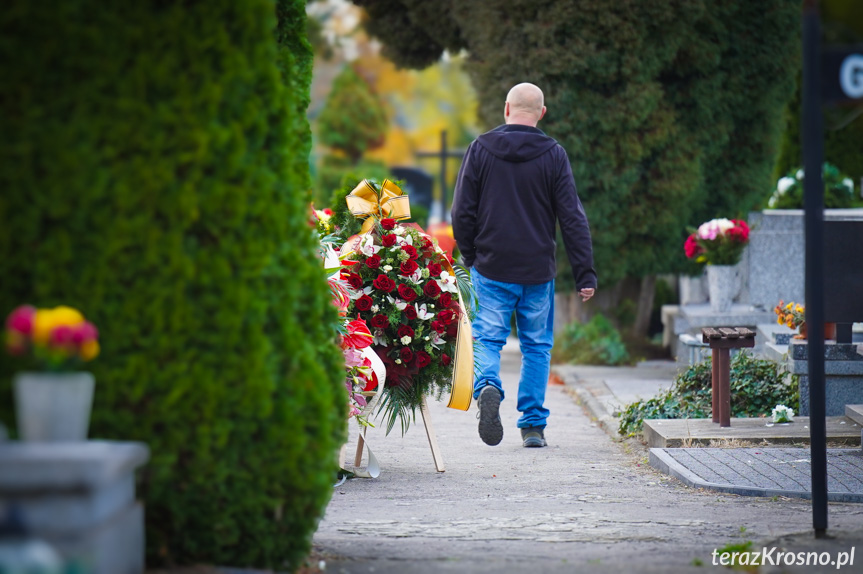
column 721, row 340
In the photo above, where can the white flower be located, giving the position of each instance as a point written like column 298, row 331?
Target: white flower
column 405, row 340
column 388, row 268
column 368, row 247
column 849, row 183
column 799, row 174
column 415, row 277
column 436, row 338
column 772, row 201
column 375, row 308
column 398, row 361
column 423, row 313
column 400, row 305
column 784, row 184
column 379, row 339
column 399, row 230
column 447, row 282
column 409, row 239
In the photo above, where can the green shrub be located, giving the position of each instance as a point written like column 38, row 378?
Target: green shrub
column 596, row 342
column 153, row 168
column 838, row 190
column 757, row 385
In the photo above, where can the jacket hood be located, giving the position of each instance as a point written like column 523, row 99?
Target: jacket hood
column 516, row 143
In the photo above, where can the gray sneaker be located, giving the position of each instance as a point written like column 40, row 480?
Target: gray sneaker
column 533, row 437
column 490, row 427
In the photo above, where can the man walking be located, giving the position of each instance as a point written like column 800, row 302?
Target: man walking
column 515, row 182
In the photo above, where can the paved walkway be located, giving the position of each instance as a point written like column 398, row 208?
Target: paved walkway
column 582, row 504
column 742, row 471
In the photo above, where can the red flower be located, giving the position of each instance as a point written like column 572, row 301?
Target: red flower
column 410, row 312
column 431, row 289
column 445, row 300
column 21, row 319
column 364, row 303
column 406, row 331
column 447, row 316
column 380, row 321
column 353, row 279
column 434, row 270
column 383, row 283
column 407, row 293
column 406, row 355
column 423, row 359
column 408, row 267
column 358, row 337
column 445, row 359
column 452, row 329
column 388, row 240
column 388, row 223
column 427, row 244
column 691, row 247
column 438, row 326
column 411, row 251
column 374, row 261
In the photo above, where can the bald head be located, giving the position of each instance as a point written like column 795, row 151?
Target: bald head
column 524, row 105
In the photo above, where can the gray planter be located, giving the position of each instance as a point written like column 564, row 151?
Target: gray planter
column 723, row 283
column 53, row 407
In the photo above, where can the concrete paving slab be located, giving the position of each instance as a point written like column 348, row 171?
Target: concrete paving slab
column 762, row 471
column 671, row 433
column 855, row 413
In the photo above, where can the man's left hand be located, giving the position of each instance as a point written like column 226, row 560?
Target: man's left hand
column 586, row 293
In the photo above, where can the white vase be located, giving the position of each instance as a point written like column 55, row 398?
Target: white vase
column 53, row 407
column 723, row 282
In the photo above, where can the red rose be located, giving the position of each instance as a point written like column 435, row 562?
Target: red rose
column 427, row 244
column 408, row 267
column 353, row 279
column 438, row 326
column 691, row 247
column 407, row 293
column 423, row 359
column 445, row 300
column 406, row 355
column 431, row 289
column 383, row 283
column 388, row 223
column 445, row 359
column 434, row 270
column 411, row 251
column 364, row 303
column 406, row 331
column 388, row 240
column 374, row 261
column 410, row 312
column 447, row 316
column 380, row 321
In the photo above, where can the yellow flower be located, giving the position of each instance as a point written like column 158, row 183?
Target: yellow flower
column 90, row 350
column 790, row 321
column 45, row 320
column 789, row 306
column 799, row 308
column 780, row 319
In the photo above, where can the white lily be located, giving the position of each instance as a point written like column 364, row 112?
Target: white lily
column 400, row 305
column 436, row 338
column 368, row 247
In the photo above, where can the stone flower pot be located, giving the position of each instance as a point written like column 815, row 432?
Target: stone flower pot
column 723, row 282
column 53, row 407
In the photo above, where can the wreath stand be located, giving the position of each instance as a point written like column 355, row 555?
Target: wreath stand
column 427, row 422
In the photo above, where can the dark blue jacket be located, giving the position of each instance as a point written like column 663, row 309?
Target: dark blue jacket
column 514, row 183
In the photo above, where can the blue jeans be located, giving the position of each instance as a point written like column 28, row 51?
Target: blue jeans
column 534, row 313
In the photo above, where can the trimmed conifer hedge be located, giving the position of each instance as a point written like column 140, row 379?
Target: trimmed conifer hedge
column 154, row 174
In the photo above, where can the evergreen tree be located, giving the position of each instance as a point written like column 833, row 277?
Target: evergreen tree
column 670, row 110
column 154, row 173
column 353, row 119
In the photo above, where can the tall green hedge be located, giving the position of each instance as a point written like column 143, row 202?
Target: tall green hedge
column 153, row 167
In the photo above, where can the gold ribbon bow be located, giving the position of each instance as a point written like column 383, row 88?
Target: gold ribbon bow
column 365, row 201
